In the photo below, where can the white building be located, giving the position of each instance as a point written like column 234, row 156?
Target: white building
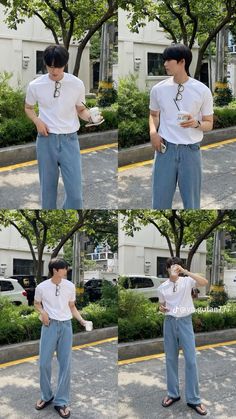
column 146, row 253
column 141, row 53
column 15, row 255
column 21, row 52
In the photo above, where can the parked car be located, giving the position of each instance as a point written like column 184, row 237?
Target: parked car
column 143, row 284
column 11, row 289
column 93, row 288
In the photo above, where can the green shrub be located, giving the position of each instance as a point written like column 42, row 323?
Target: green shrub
column 106, row 96
column 133, row 104
column 223, row 96
column 17, row 131
column 101, row 316
column 133, row 132
column 109, row 295
column 224, row 117
column 218, row 298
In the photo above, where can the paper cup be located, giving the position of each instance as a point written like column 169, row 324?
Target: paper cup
column 182, row 116
column 173, row 271
column 95, row 115
column 89, row 326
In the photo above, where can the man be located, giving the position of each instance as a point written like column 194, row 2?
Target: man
column 55, row 301
column 60, row 97
column 177, row 144
column 176, row 302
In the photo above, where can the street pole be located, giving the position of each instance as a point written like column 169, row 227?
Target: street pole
column 217, row 275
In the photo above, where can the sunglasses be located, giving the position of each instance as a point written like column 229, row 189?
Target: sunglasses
column 57, row 290
column 175, row 287
column 57, row 89
column 179, row 95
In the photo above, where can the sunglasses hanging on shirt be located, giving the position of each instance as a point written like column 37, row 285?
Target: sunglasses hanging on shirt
column 57, row 91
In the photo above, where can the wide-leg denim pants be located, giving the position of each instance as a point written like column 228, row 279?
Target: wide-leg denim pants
column 56, row 337
column 54, row 152
column 180, row 164
column 178, row 333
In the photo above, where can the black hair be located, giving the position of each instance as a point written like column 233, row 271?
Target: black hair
column 56, row 56
column 179, row 52
column 57, row 263
column 174, row 261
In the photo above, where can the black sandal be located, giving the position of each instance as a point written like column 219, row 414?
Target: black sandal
column 45, row 404
column 63, row 408
column 173, row 400
column 195, row 406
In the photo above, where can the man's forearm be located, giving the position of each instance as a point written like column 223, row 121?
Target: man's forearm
column 85, row 115
column 31, row 114
column 38, row 307
column 153, row 124
column 200, row 280
column 205, row 126
column 76, row 314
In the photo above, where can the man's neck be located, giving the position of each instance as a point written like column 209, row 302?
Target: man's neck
column 56, row 280
column 181, row 78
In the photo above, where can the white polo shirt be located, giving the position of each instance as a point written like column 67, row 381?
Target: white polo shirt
column 58, row 113
column 180, row 302
column 196, row 99
column 57, row 306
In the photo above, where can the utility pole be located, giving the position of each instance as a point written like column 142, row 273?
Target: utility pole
column 221, row 66
column 78, row 256
column 105, row 69
column 217, row 273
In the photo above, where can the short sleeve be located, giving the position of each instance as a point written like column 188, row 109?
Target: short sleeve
column 153, row 104
column 30, row 97
column 72, row 295
column 207, row 106
column 38, row 295
column 160, row 296
column 81, row 96
column 191, row 281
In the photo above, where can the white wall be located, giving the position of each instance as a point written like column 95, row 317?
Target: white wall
column 13, row 246
column 25, row 41
column 145, row 246
column 151, row 38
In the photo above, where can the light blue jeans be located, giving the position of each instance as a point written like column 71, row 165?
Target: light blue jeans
column 178, row 333
column 59, row 151
column 179, row 164
column 56, row 337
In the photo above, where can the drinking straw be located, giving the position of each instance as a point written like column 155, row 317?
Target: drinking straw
column 175, row 104
column 85, row 105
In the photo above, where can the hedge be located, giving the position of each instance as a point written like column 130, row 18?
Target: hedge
column 20, row 324
column 140, row 319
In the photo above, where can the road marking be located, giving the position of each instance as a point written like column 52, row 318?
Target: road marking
column 155, row 356
column 147, row 162
column 74, row 348
column 34, row 162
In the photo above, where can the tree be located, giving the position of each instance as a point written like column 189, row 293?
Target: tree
column 187, row 21
column 180, row 227
column 52, row 229
column 67, row 20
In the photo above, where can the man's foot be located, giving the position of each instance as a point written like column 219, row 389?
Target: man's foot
column 41, row 404
column 168, row 401
column 63, row 411
column 199, row 408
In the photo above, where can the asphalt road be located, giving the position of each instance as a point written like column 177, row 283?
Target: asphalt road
column 93, row 389
column 19, row 187
column 218, row 188
column 142, row 386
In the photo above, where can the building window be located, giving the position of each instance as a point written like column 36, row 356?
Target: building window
column 155, row 64
column 40, row 66
column 23, row 267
